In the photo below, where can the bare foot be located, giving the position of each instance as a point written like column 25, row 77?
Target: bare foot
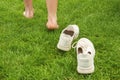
column 52, row 23
column 28, row 13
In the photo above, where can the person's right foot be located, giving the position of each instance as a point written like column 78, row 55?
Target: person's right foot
column 52, row 23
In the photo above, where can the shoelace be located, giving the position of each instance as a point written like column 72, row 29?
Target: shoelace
column 74, row 45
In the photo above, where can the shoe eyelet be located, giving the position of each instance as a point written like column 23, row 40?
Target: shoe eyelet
column 89, row 52
column 80, row 51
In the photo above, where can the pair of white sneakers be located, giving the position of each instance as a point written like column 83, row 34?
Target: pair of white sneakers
column 84, row 49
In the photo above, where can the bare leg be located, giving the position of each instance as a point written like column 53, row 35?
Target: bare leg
column 52, row 16
column 28, row 9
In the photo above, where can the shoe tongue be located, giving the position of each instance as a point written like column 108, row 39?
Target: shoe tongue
column 84, row 61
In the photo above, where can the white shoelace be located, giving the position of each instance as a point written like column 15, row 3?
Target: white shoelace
column 74, row 45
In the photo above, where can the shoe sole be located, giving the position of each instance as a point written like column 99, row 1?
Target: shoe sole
column 85, row 71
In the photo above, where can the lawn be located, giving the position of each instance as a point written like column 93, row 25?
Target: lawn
column 28, row 50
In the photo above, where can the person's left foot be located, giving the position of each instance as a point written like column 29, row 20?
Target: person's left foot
column 28, row 13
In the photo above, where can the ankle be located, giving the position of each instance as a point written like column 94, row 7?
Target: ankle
column 29, row 9
column 52, row 18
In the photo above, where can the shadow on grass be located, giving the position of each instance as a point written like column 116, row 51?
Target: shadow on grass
column 85, row 76
column 61, row 52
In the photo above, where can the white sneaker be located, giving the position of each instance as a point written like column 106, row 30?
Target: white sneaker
column 70, row 33
column 85, row 56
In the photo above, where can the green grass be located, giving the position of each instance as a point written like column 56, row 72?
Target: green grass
column 28, row 50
